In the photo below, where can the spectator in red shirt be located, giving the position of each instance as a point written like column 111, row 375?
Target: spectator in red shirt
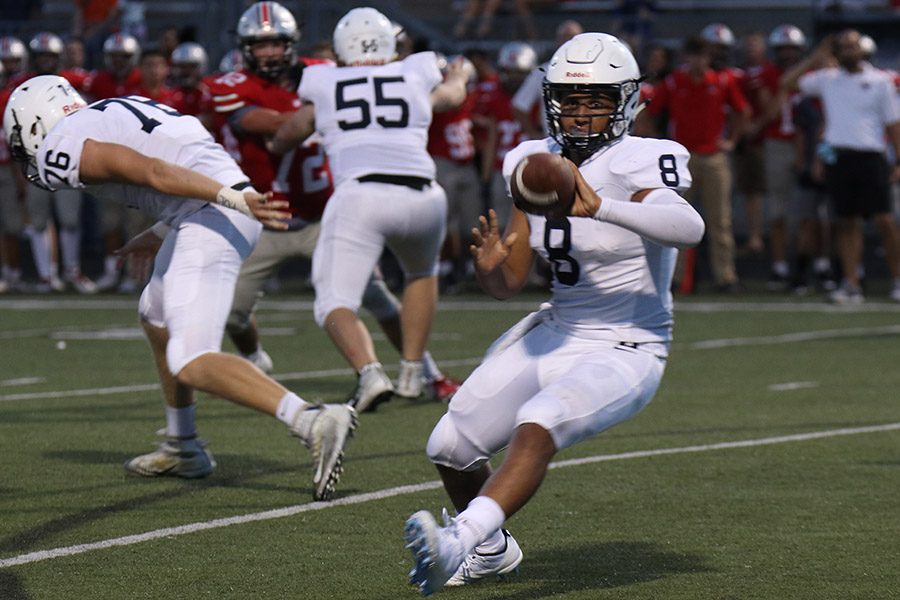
column 698, row 100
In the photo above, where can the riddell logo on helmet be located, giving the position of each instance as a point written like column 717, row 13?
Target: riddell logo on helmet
column 72, row 107
column 577, row 74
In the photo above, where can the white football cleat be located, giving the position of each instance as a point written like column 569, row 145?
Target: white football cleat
column 325, row 429
column 81, row 283
column 410, row 381
column 187, row 458
column 373, row 388
column 261, row 359
column 437, row 551
column 477, row 567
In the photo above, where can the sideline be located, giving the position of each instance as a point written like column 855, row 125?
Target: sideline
column 288, row 511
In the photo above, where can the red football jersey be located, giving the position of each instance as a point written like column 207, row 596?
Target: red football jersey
column 193, row 101
column 4, row 149
column 101, row 84
column 164, row 95
column 493, row 101
column 302, row 176
column 450, row 135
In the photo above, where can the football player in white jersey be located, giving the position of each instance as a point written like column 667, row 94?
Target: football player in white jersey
column 151, row 157
column 373, row 114
column 594, row 355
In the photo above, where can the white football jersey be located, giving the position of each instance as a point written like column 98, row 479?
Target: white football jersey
column 374, row 119
column 609, row 282
column 147, row 127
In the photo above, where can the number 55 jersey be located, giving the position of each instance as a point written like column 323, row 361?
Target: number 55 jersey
column 375, row 119
column 609, row 282
column 147, row 127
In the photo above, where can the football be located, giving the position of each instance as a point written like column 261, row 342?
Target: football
column 543, row 184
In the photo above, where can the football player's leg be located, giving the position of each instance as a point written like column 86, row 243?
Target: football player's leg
column 416, row 242
column 349, row 246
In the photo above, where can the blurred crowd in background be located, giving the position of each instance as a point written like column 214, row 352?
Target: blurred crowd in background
column 760, row 157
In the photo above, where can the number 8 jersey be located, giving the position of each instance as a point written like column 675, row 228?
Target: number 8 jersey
column 374, row 119
column 147, row 127
column 609, row 282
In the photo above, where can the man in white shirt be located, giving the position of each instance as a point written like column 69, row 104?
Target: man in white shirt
column 149, row 156
column 860, row 105
column 373, row 115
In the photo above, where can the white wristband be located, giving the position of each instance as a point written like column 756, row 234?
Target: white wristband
column 160, row 230
column 234, row 199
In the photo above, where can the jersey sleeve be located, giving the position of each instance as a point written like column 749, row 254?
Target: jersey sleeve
column 230, row 92
column 59, row 160
column 652, row 164
column 310, row 84
column 424, row 65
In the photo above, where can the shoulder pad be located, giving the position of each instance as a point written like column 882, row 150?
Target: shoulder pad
column 647, row 163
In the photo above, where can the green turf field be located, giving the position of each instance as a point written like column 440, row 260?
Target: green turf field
column 767, row 467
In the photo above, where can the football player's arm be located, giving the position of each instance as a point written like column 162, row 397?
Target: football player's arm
column 659, row 215
column 103, row 162
column 299, row 126
column 502, row 263
column 452, row 91
column 258, row 120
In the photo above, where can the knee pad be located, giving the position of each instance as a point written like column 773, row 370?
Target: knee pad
column 447, row 447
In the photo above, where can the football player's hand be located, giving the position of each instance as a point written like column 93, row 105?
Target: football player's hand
column 139, row 253
column 587, row 202
column 489, row 249
column 269, row 212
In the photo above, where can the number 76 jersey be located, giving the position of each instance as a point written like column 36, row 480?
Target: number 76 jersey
column 147, row 127
column 608, row 281
column 374, row 119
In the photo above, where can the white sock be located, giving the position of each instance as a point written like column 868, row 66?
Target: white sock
column 289, row 407
column 478, row 523
column 430, row 368
column 821, row 264
column 111, row 265
column 70, row 250
column 180, row 422
column 40, row 250
column 494, row 544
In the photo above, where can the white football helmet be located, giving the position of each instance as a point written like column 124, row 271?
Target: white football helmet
column 266, row 21
column 718, row 34
column 517, row 56
column 47, row 42
column 34, row 108
column 596, row 64
column 189, row 62
column 787, row 35
column 233, row 60
column 364, row 36
column 121, row 44
column 12, row 49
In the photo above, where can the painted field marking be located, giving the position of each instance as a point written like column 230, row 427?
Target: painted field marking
column 129, row 540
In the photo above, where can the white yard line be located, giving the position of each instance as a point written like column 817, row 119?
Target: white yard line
column 288, row 511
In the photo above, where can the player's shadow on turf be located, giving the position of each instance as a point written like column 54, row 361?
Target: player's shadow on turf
column 11, row 588
column 597, row 566
column 234, row 471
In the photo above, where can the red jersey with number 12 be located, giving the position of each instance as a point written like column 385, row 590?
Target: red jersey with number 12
column 302, row 176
